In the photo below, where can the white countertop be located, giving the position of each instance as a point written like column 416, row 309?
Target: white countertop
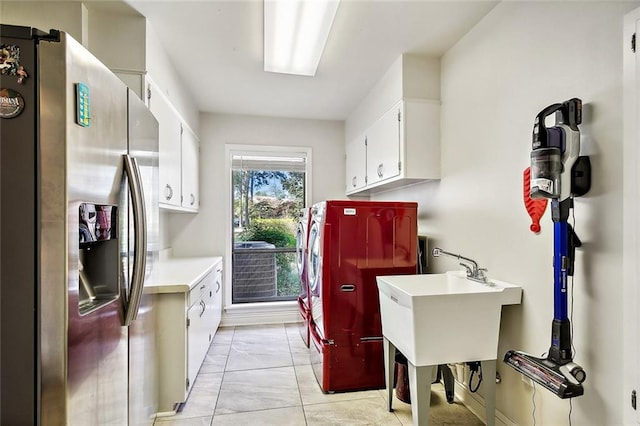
column 180, row 274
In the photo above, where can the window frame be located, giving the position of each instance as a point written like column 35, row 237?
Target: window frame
column 275, row 309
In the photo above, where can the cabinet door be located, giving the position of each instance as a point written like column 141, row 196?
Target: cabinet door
column 190, row 156
column 169, row 146
column 383, row 146
column 173, row 345
column 217, row 298
column 198, row 337
column 356, row 164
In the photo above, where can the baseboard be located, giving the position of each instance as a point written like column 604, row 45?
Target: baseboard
column 475, row 404
column 231, row 319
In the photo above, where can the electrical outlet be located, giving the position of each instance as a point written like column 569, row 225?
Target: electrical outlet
column 527, row 381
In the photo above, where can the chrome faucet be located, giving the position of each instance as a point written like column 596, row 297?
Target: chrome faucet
column 473, row 272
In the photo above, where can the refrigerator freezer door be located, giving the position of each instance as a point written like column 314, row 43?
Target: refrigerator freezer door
column 18, row 268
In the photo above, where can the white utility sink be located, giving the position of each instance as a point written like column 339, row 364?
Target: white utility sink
column 443, row 318
column 437, row 319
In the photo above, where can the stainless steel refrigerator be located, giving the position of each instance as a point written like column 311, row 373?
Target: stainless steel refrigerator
column 79, row 237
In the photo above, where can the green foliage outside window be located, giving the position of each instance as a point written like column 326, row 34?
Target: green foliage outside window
column 279, row 232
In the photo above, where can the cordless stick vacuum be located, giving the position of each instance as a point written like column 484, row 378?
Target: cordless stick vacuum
column 558, row 172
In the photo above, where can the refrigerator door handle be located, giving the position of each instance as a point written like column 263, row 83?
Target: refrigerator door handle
column 140, row 238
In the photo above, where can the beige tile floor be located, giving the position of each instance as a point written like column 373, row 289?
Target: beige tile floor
column 260, row 375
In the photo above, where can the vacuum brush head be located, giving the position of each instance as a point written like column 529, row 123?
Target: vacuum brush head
column 563, row 380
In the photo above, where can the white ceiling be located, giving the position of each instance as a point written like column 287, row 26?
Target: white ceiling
column 216, row 48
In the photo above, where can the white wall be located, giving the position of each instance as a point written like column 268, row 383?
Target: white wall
column 520, row 58
column 410, row 76
column 163, row 73
column 68, row 16
column 117, row 35
column 203, row 234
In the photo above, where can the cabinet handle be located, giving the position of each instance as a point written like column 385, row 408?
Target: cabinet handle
column 380, row 170
column 193, row 199
column 202, row 286
column 353, row 181
column 168, row 192
column 217, row 286
column 204, row 307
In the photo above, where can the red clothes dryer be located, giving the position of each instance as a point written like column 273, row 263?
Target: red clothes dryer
column 350, row 243
column 301, row 262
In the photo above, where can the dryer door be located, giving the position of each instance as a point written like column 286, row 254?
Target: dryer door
column 314, row 261
column 300, row 243
column 314, row 277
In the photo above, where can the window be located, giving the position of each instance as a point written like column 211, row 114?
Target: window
column 268, row 189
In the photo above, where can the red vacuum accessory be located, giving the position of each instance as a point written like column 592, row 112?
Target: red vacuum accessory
column 535, row 207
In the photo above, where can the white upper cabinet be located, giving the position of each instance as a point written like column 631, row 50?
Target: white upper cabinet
column 170, row 125
column 179, row 155
column 400, row 121
column 383, row 147
column 356, row 164
column 190, row 156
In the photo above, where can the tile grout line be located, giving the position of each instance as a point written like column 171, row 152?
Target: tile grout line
column 295, row 373
column 304, row 412
column 224, row 372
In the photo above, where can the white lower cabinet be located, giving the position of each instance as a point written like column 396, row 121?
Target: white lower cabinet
column 187, row 323
column 200, row 329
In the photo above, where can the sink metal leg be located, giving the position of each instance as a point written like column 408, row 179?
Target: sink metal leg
column 389, row 363
column 489, row 389
column 420, row 390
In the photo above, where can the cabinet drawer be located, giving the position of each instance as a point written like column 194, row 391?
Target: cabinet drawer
column 203, row 286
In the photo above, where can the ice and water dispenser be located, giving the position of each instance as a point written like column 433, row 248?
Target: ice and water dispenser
column 98, row 256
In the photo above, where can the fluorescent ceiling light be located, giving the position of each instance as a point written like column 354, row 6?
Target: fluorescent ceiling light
column 295, row 32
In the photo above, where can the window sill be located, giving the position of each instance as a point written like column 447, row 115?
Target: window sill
column 261, row 313
column 262, row 306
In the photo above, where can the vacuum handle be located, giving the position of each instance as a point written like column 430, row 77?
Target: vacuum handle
column 572, row 112
column 540, row 136
column 571, row 116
